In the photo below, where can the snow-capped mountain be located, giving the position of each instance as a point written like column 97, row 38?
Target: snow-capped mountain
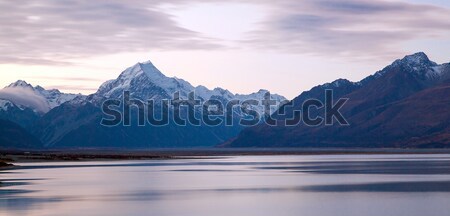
column 144, row 81
column 260, row 96
column 77, row 122
column 405, row 104
column 24, row 95
column 20, row 115
column 420, row 65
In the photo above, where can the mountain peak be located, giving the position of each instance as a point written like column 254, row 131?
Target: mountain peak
column 417, row 59
column 145, row 80
column 146, row 68
column 338, row 83
column 148, row 62
column 23, row 94
column 20, row 83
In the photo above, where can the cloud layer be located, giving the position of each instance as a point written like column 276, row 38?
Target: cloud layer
column 350, row 27
column 49, row 31
column 53, row 31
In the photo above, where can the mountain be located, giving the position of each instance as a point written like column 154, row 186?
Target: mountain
column 404, row 105
column 16, row 137
column 23, row 116
column 76, row 124
column 145, row 81
column 38, row 99
column 420, row 120
column 24, row 104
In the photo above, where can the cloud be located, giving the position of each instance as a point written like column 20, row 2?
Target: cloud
column 52, row 32
column 355, row 28
column 25, row 97
column 66, row 79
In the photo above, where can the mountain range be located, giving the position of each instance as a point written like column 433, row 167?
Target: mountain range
column 404, row 105
column 62, row 120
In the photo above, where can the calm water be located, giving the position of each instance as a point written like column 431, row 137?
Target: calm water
column 248, row 185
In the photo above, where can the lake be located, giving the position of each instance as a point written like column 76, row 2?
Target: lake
column 322, row 185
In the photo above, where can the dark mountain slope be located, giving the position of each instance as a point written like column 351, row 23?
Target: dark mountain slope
column 13, row 136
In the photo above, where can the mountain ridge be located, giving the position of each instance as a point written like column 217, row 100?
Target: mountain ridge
column 371, row 103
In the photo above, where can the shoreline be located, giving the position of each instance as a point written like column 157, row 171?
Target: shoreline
column 5, row 165
column 11, row 156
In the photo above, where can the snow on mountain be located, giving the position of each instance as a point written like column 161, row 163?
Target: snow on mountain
column 144, row 81
column 205, row 93
column 419, row 59
column 5, row 105
column 37, row 98
column 54, row 96
column 260, row 96
column 420, row 65
column 437, row 71
column 340, row 82
column 19, row 83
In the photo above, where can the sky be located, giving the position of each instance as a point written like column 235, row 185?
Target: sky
column 285, row 46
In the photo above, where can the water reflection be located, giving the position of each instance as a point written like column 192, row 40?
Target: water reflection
column 250, row 185
column 395, row 167
column 424, row 186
